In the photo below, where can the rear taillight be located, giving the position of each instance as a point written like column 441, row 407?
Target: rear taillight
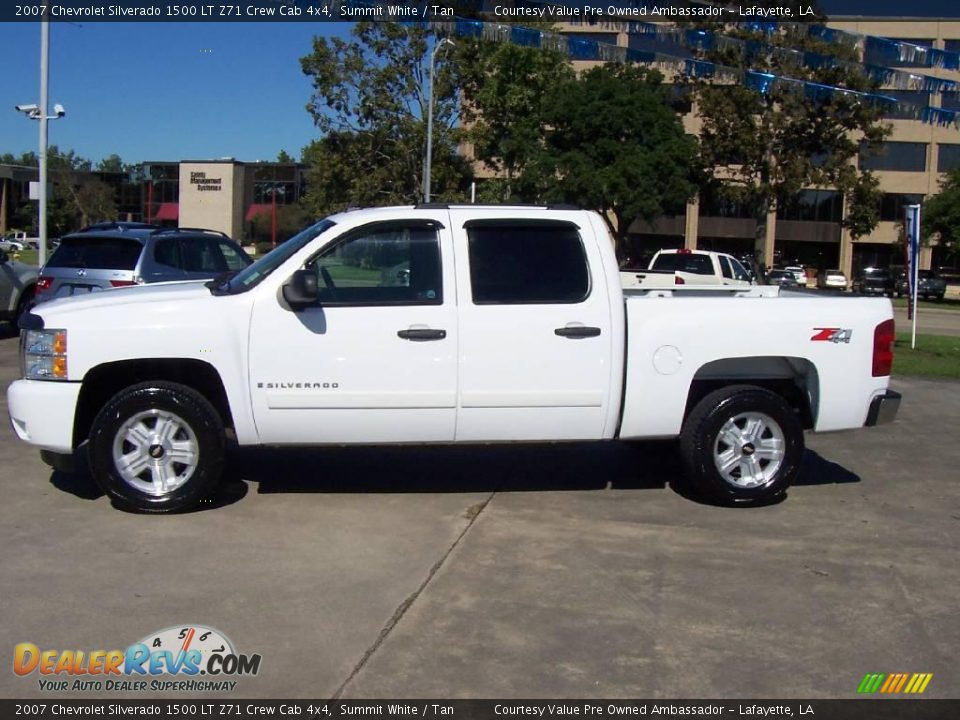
column 44, row 283
column 677, row 280
column 883, row 339
column 122, row 283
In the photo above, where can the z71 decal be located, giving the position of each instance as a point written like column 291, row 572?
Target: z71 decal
column 834, row 335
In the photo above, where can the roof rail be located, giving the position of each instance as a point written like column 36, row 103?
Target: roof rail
column 447, row 206
column 162, row 230
column 118, row 225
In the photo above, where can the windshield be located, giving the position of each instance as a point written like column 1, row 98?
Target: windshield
column 253, row 275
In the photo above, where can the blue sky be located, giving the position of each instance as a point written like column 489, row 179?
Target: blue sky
column 176, row 91
column 163, row 91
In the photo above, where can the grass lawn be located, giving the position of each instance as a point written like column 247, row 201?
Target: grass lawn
column 948, row 303
column 934, row 356
column 29, row 256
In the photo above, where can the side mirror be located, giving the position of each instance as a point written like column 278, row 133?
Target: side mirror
column 301, row 290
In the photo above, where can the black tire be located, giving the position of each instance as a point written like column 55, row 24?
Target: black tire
column 700, row 440
column 191, row 413
column 24, row 304
column 940, row 297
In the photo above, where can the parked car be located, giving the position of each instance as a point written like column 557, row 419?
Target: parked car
column 831, row 280
column 799, row 273
column 512, row 327
column 9, row 245
column 929, row 284
column 873, row 281
column 17, row 284
column 783, row 278
column 99, row 259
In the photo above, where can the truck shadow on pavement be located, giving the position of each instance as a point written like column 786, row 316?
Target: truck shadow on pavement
column 477, row 468
column 455, row 469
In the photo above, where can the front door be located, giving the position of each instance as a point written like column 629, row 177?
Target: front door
column 375, row 360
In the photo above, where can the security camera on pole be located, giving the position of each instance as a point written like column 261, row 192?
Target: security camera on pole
column 39, row 112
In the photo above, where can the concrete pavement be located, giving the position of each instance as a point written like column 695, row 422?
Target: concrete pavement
column 544, row 571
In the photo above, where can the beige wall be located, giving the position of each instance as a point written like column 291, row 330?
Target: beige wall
column 211, row 196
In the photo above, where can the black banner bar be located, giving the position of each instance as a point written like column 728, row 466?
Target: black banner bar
column 873, row 709
column 318, row 11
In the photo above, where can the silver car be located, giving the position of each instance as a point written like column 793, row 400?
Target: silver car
column 100, row 258
column 17, row 284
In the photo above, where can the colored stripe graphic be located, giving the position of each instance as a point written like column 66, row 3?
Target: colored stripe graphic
column 870, row 683
column 908, row 683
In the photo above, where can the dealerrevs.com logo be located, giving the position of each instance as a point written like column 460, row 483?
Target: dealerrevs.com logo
column 185, row 658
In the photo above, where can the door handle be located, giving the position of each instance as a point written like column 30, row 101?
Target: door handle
column 577, row 331
column 421, row 334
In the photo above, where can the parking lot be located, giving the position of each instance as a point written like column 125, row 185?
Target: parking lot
column 541, row 571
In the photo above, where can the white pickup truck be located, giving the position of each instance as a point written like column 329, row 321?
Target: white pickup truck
column 437, row 324
column 687, row 267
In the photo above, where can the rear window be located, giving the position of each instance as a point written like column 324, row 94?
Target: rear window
column 877, row 274
column 683, row 262
column 107, row 253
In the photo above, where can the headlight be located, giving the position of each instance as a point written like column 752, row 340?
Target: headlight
column 45, row 354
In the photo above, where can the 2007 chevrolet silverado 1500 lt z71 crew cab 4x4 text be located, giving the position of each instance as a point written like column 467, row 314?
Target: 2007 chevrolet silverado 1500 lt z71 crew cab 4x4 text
column 436, row 324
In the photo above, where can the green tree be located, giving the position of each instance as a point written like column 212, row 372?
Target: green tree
column 765, row 147
column 284, row 157
column 291, row 219
column 940, row 218
column 79, row 198
column 370, row 104
column 505, row 92
column 28, row 158
column 111, row 163
column 617, row 146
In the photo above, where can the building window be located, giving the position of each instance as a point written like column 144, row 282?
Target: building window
column 951, row 45
column 600, row 37
column 948, row 157
column 909, row 97
column 892, row 205
column 879, row 51
column 950, row 100
column 714, row 204
column 812, row 206
column 894, row 156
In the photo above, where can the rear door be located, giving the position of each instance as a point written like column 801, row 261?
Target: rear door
column 535, row 329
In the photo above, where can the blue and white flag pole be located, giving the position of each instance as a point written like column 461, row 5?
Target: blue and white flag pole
column 913, row 270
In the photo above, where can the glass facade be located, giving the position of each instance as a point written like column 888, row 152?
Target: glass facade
column 948, row 157
column 892, row 205
column 894, row 156
column 812, row 205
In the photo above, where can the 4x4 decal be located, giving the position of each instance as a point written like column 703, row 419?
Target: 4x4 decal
column 834, row 335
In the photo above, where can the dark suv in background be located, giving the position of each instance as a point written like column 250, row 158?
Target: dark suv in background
column 109, row 255
column 929, row 284
column 873, row 281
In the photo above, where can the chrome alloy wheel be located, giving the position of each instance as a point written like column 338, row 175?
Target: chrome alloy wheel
column 749, row 450
column 155, row 452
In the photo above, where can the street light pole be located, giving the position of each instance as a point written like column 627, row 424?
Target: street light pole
column 44, row 104
column 428, row 158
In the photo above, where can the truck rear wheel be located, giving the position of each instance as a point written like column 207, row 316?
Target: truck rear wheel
column 742, row 444
column 157, row 447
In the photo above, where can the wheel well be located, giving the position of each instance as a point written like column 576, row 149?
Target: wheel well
column 104, row 381
column 793, row 379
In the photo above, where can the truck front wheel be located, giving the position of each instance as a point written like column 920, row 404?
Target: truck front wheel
column 742, row 444
column 157, row 447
